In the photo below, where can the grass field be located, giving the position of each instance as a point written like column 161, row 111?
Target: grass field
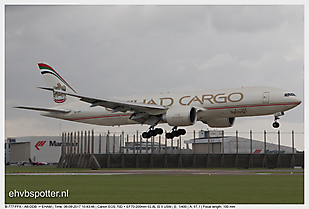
column 43, row 169
column 54, row 169
column 184, row 189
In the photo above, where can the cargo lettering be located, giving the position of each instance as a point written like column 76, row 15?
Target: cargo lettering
column 187, row 100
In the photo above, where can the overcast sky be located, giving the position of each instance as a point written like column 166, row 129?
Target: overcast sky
column 108, row 51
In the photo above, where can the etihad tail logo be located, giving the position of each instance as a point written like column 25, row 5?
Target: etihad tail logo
column 59, row 97
column 39, row 144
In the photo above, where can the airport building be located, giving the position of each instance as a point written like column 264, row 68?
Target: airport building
column 46, row 148
column 230, row 144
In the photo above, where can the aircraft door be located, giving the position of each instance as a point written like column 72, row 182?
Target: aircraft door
column 266, row 97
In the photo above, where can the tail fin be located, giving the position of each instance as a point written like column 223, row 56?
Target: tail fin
column 30, row 160
column 54, row 80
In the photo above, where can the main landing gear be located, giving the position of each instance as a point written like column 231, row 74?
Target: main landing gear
column 158, row 131
column 175, row 133
column 152, row 132
column 276, row 124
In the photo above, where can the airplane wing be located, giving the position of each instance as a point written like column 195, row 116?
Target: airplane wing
column 116, row 105
column 44, row 109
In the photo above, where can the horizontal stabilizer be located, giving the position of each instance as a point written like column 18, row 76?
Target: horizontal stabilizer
column 53, row 110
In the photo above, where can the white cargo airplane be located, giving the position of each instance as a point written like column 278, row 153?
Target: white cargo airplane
column 217, row 108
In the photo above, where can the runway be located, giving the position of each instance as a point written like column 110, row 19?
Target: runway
column 175, row 172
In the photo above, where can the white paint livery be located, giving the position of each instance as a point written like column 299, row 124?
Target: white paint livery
column 217, row 108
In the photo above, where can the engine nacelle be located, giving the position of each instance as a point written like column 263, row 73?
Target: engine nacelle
column 180, row 116
column 220, row 122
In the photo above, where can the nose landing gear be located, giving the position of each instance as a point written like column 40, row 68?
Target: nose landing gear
column 276, row 124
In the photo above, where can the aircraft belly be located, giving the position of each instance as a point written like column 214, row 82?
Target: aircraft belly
column 267, row 110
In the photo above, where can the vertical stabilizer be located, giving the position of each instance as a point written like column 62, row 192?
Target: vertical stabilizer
column 54, row 80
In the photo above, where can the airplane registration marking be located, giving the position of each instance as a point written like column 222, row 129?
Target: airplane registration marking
column 239, row 110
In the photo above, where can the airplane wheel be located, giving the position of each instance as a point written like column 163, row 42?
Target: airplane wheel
column 169, row 135
column 146, row 135
column 179, row 132
column 151, row 133
column 182, row 131
column 159, row 131
column 175, row 133
column 276, row 124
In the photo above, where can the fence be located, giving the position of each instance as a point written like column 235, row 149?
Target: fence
column 127, row 151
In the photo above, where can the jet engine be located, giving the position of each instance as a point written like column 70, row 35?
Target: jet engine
column 180, row 116
column 220, row 122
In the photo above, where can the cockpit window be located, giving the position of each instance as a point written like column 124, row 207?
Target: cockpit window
column 289, row 94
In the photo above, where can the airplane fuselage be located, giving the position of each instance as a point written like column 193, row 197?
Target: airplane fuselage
column 216, row 108
column 214, row 104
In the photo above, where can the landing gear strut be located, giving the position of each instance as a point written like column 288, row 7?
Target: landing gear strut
column 175, row 133
column 152, row 132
